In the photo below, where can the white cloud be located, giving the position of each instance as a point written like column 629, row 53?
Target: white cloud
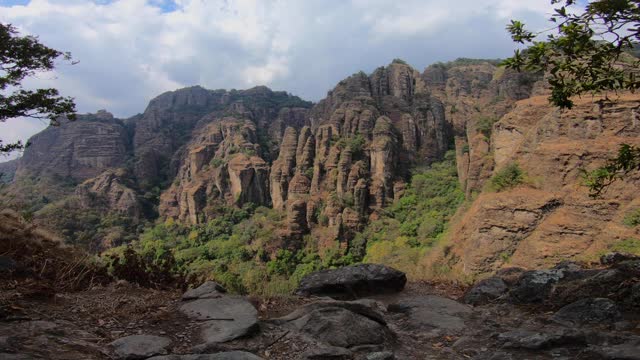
column 133, row 50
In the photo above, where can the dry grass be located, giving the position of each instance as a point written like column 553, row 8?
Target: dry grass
column 42, row 262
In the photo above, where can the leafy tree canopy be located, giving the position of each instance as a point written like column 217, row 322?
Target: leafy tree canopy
column 587, row 51
column 22, row 57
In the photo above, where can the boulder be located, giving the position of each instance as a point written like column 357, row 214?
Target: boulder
column 364, row 307
column 337, row 325
column 434, row 314
column 589, row 311
column 140, row 346
column 353, row 281
column 230, row 355
column 534, row 286
column 616, row 257
column 224, row 318
column 209, row 289
column 485, row 291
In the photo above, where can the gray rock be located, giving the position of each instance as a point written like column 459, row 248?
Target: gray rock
column 626, row 351
column 589, row 311
column 140, row 346
column 230, row 355
column 534, row 286
column 5, row 356
column 328, row 353
column 433, row 313
column 225, row 318
column 536, row 340
column 485, row 291
column 383, row 355
column 364, row 307
column 616, row 257
column 353, row 281
column 339, row 327
column 209, row 289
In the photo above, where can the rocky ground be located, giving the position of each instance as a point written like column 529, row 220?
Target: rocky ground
column 561, row 313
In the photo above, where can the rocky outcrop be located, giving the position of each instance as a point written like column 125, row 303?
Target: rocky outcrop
column 113, row 190
column 77, row 150
column 8, row 170
column 551, row 216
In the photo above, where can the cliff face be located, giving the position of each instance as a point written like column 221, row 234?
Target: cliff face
column 77, row 150
column 551, row 217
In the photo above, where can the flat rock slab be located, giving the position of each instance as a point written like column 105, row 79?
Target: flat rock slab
column 432, row 312
column 626, row 351
column 208, row 290
column 230, row 355
column 337, row 326
column 353, row 281
column 224, row 319
column 140, row 346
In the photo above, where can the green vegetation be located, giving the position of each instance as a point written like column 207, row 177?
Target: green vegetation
column 230, row 248
column 627, row 246
column 509, row 176
column 632, row 219
column 23, row 57
column 485, row 125
column 216, row 162
column 416, row 222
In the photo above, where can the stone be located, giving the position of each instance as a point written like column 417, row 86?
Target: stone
column 338, row 326
column 140, row 346
column 383, row 355
column 485, row 291
column 210, row 289
column 229, row 355
column 433, row 313
column 616, row 257
column 353, row 281
column 626, row 351
column 589, row 311
column 223, row 319
column 364, row 307
column 328, row 353
column 536, row 340
column 534, row 286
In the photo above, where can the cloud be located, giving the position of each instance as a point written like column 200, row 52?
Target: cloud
column 132, row 50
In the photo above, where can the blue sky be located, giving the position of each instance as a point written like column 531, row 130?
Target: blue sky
column 129, row 51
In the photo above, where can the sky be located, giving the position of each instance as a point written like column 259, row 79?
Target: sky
column 130, row 51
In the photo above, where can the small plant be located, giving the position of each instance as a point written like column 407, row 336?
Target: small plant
column 216, row 163
column 399, row 61
column 485, row 125
column 509, row 176
column 632, row 219
column 465, row 148
column 309, row 173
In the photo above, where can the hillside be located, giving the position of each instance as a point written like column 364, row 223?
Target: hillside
column 254, row 186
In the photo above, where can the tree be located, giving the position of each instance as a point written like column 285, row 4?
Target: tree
column 586, row 51
column 22, row 57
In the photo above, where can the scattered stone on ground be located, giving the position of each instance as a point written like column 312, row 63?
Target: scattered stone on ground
column 485, row 291
column 229, row 355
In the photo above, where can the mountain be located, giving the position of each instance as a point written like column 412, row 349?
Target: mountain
column 339, row 176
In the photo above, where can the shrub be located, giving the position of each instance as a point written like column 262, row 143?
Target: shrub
column 629, row 246
column 632, row 219
column 485, row 125
column 509, row 176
